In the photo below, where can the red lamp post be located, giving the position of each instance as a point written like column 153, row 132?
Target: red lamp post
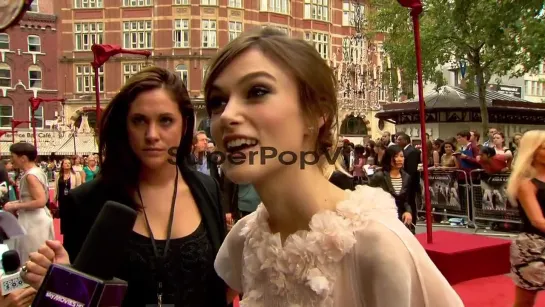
column 15, row 123
column 34, row 105
column 102, row 53
column 416, row 10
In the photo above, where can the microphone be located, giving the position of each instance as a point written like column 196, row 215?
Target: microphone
column 90, row 282
column 9, row 228
column 11, row 280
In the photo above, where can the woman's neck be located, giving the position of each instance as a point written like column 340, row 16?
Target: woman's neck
column 66, row 171
column 159, row 176
column 540, row 171
column 395, row 172
column 293, row 195
column 28, row 165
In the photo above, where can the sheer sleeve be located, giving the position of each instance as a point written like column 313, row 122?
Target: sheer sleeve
column 394, row 270
column 228, row 262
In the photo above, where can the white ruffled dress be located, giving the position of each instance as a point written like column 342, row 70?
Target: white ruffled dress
column 359, row 255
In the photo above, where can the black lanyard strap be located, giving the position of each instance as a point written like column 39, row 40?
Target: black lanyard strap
column 160, row 258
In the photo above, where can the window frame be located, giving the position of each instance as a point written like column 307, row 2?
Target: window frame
column 35, row 68
column 5, row 66
column 3, row 116
column 8, row 42
column 39, row 43
column 128, row 31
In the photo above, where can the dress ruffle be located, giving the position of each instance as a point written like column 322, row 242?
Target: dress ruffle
column 302, row 271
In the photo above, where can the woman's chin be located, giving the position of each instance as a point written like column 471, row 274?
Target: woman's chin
column 154, row 162
column 242, row 174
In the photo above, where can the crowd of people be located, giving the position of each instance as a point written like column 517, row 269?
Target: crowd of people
column 271, row 233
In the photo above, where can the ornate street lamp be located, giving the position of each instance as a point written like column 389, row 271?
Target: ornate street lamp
column 359, row 68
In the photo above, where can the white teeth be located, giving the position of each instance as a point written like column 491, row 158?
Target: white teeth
column 240, row 142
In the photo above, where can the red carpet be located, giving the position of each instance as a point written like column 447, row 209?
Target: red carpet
column 461, row 257
column 493, row 291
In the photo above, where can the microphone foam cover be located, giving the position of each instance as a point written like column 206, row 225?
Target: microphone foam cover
column 11, row 261
column 102, row 251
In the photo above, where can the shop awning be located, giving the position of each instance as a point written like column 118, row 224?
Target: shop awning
column 82, row 145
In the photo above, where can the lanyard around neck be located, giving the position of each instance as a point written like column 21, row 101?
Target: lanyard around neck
column 160, row 258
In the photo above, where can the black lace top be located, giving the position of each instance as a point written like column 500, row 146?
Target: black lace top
column 189, row 270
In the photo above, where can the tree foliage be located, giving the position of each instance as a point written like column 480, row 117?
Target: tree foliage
column 494, row 37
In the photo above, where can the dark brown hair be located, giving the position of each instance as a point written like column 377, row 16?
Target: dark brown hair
column 24, row 149
column 119, row 163
column 315, row 80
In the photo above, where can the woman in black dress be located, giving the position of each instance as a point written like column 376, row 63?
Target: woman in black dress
column 146, row 133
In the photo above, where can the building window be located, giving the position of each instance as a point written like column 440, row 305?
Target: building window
column 134, row 3
column 88, row 4
column 321, row 42
column 208, row 33
column 317, row 9
column 235, row 4
column 183, row 73
column 129, row 69
column 4, row 41
column 204, row 72
column 348, row 13
column 88, row 34
column 181, row 33
column 85, row 79
column 235, row 28
column 6, row 115
column 38, row 116
column 137, row 34
column 34, row 7
column 181, row 2
column 34, row 44
column 276, row 6
column 209, row 2
column 34, row 77
column 5, row 75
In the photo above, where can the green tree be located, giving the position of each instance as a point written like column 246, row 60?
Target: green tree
column 494, row 37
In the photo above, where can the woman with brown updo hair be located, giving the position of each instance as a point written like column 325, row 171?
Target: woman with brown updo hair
column 309, row 243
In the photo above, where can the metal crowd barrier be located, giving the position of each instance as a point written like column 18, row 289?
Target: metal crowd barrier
column 489, row 198
column 450, row 196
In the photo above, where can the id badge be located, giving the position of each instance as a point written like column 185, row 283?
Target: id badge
column 66, row 191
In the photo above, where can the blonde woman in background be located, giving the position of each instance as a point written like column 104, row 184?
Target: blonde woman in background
column 77, row 166
column 526, row 188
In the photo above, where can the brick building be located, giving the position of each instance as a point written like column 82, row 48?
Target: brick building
column 28, row 68
column 182, row 35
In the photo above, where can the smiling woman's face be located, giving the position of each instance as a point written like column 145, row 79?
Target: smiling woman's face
column 154, row 125
column 256, row 110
